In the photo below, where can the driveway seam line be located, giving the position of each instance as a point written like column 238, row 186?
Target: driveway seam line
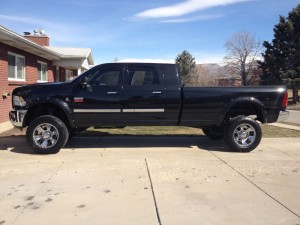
column 153, row 194
column 255, row 185
column 42, row 186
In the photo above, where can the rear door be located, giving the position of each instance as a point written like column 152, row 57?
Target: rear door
column 143, row 95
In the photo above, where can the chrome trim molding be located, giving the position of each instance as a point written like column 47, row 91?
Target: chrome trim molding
column 97, row 110
column 142, row 110
column 118, row 110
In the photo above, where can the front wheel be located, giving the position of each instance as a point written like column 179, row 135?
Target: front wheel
column 242, row 134
column 47, row 135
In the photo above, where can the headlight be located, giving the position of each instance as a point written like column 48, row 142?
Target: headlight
column 18, row 101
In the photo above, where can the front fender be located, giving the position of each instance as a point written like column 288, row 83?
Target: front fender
column 48, row 102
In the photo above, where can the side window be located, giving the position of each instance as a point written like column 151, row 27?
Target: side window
column 141, row 76
column 108, row 77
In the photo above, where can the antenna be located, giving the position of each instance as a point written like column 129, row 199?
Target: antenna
column 41, row 31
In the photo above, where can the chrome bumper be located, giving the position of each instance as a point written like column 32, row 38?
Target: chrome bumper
column 283, row 116
column 17, row 117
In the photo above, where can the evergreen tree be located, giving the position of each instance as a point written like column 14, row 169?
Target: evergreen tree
column 281, row 59
column 186, row 65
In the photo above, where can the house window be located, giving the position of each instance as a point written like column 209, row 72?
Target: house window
column 57, row 74
column 16, row 67
column 42, row 71
column 69, row 75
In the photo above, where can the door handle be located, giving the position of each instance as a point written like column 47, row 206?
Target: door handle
column 156, row 92
column 112, row 93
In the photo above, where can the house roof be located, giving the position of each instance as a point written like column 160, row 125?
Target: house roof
column 73, row 53
column 11, row 38
column 52, row 53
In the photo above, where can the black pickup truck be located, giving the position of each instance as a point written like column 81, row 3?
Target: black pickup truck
column 143, row 94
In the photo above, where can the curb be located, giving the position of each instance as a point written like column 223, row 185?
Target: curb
column 285, row 126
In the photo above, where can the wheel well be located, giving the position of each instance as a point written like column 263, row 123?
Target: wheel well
column 245, row 109
column 46, row 109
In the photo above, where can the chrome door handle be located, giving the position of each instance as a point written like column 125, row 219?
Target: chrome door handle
column 156, row 92
column 112, row 93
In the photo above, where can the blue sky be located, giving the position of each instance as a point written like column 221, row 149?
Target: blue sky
column 156, row 30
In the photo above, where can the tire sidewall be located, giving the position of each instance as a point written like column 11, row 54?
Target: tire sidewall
column 229, row 131
column 58, row 124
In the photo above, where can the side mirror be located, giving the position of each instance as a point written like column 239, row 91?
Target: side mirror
column 84, row 84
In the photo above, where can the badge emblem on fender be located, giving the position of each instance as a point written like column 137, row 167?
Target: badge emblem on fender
column 78, row 99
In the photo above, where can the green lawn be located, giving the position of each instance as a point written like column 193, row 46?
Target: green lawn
column 268, row 131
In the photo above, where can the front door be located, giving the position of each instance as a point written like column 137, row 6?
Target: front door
column 99, row 102
column 143, row 96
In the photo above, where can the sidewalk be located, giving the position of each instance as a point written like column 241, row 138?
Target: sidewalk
column 282, row 125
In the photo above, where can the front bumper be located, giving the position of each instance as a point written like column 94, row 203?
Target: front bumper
column 283, row 116
column 17, row 117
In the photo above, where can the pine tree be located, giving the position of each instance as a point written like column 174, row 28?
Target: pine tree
column 186, row 65
column 281, row 59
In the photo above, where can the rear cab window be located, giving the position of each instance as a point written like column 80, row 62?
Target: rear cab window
column 142, row 76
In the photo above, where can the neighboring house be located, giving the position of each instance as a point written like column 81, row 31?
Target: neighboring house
column 29, row 59
column 229, row 81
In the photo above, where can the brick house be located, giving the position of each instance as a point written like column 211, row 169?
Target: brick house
column 29, row 59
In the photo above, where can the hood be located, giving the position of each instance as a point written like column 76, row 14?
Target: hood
column 40, row 88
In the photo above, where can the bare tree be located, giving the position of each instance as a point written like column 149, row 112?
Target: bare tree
column 242, row 51
column 204, row 76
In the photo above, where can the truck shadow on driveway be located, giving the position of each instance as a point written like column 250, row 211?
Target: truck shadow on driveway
column 18, row 144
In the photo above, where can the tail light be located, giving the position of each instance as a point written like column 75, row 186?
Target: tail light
column 285, row 100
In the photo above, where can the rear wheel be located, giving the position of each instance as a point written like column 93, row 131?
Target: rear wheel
column 47, row 135
column 215, row 133
column 242, row 134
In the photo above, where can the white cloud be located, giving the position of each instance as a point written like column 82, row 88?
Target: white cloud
column 27, row 20
column 192, row 19
column 147, row 60
column 210, row 59
column 183, row 8
column 200, row 58
column 59, row 33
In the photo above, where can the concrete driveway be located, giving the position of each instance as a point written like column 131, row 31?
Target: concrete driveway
column 145, row 180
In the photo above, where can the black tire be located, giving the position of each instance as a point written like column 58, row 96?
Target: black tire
column 47, row 135
column 242, row 134
column 215, row 133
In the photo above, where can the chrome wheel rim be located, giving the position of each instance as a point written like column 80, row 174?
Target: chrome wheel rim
column 244, row 135
column 45, row 135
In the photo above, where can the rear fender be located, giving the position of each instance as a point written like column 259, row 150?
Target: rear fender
column 260, row 109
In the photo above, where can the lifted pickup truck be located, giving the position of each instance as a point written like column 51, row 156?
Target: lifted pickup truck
column 143, row 94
